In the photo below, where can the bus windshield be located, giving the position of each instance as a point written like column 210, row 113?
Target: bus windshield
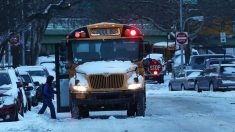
column 97, row 50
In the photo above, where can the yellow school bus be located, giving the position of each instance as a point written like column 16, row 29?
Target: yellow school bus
column 100, row 68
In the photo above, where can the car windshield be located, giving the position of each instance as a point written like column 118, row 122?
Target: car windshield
column 37, row 73
column 4, row 79
column 85, row 51
column 26, row 78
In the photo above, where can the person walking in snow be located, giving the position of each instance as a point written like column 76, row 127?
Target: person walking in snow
column 48, row 94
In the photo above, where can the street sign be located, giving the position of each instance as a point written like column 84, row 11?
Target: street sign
column 155, row 67
column 222, row 37
column 181, row 38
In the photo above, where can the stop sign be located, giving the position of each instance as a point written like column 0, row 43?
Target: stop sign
column 181, row 38
column 155, row 67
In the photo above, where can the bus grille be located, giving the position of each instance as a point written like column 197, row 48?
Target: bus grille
column 110, row 81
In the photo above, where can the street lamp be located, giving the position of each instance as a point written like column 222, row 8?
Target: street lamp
column 195, row 18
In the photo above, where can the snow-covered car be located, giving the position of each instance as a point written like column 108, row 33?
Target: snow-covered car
column 48, row 62
column 156, row 75
column 183, row 80
column 30, row 89
column 12, row 96
column 50, row 66
column 38, row 73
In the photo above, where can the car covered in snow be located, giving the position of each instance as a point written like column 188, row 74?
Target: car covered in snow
column 12, row 96
column 38, row 73
column 183, row 80
column 30, row 89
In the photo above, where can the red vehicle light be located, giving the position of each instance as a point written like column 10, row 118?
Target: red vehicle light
column 77, row 35
column 155, row 72
column 132, row 32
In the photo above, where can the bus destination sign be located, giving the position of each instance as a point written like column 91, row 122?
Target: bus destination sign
column 105, row 31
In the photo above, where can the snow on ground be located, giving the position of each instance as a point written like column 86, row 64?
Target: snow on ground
column 168, row 111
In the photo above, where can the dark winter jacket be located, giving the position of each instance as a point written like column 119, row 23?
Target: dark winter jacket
column 48, row 92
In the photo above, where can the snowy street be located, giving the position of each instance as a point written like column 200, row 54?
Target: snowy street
column 178, row 111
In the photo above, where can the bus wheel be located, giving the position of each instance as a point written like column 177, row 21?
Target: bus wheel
column 83, row 112
column 140, row 106
column 131, row 110
column 74, row 108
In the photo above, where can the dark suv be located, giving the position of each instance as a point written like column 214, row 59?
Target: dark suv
column 216, row 77
column 199, row 61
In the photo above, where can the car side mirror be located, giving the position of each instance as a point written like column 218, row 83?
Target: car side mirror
column 36, row 83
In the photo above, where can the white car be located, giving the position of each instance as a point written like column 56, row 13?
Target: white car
column 12, row 96
column 38, row 73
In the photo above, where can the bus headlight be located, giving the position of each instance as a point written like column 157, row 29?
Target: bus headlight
column 134, row 86
column 80, row 88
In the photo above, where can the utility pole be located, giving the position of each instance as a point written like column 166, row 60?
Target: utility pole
column 181, row 30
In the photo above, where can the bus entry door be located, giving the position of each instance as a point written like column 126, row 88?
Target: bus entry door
column 62, row 77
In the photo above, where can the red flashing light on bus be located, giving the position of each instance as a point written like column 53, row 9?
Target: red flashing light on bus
column 80, row 34
column 130, row 32
column 77, row 35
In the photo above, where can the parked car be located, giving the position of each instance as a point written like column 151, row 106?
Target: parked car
column 183, row 80
column 216, row 77
column 213, row 61
column 199, row 61
column 39, row 74
column 50, row 66
column 157, row 76
column 12, row 96
column 30, row 89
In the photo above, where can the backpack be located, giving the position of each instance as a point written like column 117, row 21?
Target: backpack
column 40, row 93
